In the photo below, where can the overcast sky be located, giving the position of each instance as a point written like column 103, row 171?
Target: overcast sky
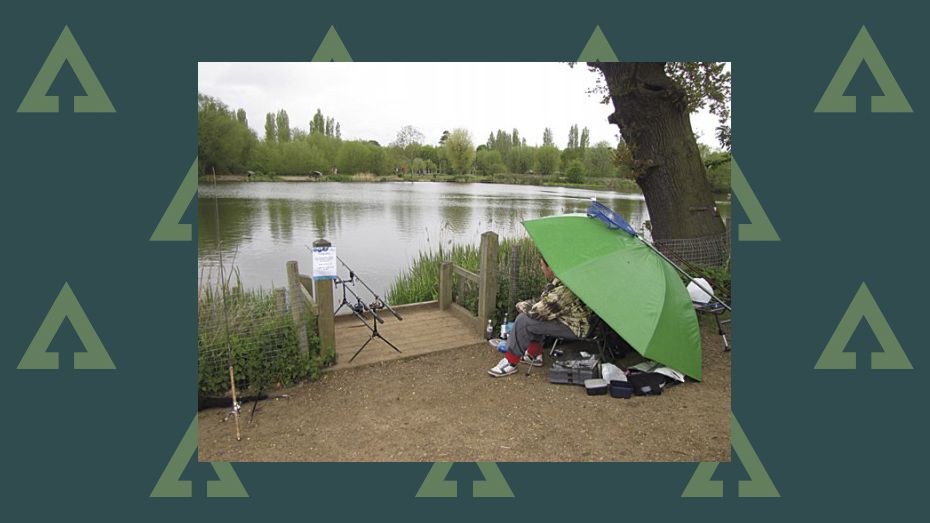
column 373, row 100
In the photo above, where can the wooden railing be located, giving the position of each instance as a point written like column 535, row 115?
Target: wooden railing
column 486, row 279
column 315, row 297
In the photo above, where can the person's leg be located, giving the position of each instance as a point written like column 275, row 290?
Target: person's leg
column 554, row 329
column 516, row 346
column 528, row 334
column 520, row 337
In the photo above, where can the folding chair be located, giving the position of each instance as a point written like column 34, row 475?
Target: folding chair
column 716, row 309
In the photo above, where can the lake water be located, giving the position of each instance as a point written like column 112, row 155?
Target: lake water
column 377, row 228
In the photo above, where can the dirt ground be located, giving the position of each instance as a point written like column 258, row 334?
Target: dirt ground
column 445, row 407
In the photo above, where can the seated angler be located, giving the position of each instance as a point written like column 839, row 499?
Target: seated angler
column 558, row 313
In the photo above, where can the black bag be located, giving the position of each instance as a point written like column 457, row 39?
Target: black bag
column 647, row 383
column 617, row 347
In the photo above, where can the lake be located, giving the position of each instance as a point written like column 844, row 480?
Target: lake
column 377, row 228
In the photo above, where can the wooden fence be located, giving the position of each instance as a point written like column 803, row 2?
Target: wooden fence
column 486, row 279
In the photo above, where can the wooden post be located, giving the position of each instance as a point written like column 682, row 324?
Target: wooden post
column 445, row 285
column 326, row 319
column 280, row 303
column 298, row 307
column 514, row 272
column 487, row 286
column 461, row 297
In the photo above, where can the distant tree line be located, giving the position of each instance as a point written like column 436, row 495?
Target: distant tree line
column 228, row 145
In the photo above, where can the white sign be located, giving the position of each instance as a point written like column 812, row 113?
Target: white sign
column 325, row 264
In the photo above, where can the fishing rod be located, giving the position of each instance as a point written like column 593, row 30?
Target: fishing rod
column 615, row 221
column 359, row 306
column 379, row 302
column 223, row 284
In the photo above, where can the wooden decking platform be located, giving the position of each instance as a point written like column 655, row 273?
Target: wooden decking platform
column 424, row 329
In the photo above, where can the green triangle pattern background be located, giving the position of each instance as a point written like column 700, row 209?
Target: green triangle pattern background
column 849, row 180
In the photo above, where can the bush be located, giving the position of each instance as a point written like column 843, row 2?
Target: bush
column 575, row 173
column 261, row 340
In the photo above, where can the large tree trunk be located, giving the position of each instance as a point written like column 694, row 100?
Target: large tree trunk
column 651, row 111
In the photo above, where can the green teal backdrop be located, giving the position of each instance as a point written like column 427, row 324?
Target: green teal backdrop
column 843, row 194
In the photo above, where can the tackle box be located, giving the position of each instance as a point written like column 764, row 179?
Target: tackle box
column 595, row 387
column 573, row 371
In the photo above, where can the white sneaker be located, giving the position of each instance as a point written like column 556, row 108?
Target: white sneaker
column 495, row 342
column 536, row 362
column 503, row 368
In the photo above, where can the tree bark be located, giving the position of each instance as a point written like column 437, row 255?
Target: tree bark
column 651, row 111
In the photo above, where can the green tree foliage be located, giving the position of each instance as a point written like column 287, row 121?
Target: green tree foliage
column 600, row 160
column 548, row 159
column 283, row 125
column 271, row 132
column 522, row 159
column 570, row 155
column 572, row 137
column 547, row 137
column 224, row 143
column 489, row 162
column 717, row 164
column 707, row 84
column 575, row 172
column 361, row 157
column 318, row 123
column 585, row 139
column 460, row 150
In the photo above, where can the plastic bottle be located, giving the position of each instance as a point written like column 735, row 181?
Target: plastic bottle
column 489, row 331
column 504, row 328
column 502, row 347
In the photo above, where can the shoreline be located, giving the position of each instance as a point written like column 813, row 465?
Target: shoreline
column 613, row 184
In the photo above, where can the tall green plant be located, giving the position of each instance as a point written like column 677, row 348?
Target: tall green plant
column 519, row 276
column 262, row 344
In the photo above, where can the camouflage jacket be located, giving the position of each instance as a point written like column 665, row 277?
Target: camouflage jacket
column 557, row 302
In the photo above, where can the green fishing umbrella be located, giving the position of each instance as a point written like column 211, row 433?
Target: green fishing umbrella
column 627, row 284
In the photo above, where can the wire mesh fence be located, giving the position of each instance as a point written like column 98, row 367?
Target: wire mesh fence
column 254, row 331
column 706, row 251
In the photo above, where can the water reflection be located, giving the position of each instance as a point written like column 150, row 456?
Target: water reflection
column 378, row 228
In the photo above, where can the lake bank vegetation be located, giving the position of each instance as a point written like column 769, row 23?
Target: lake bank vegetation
column 227, row 146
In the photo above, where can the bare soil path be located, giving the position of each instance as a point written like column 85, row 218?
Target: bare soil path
column 444, row 407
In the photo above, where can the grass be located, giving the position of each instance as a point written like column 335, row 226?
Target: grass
column 519, row 276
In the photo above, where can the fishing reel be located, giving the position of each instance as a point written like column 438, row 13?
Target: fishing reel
column 234, row 411
column 358, row 308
